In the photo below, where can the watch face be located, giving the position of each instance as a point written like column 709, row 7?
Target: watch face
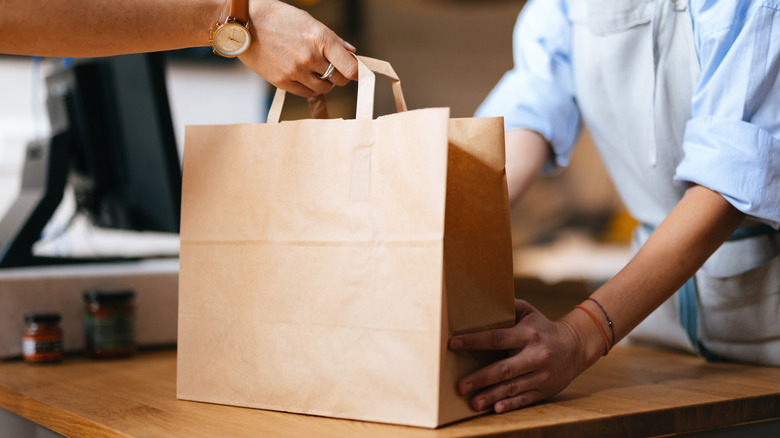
column 231, row 39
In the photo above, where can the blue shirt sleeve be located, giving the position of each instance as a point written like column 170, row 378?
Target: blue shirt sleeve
column 732, row 141
column 538, row 93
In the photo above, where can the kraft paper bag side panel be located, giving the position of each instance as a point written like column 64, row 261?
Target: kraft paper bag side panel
column 477, row 250
column 309, row 260
column 478, row 247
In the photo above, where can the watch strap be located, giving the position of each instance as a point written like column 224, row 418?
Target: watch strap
column 239, row 9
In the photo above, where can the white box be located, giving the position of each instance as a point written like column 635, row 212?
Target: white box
column 60, row 289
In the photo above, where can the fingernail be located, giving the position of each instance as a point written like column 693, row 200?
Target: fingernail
column 467, row 388
column 479, row 404
column 349, row 47
column 456, row 344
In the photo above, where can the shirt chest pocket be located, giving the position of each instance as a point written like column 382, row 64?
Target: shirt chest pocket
column 605, row 17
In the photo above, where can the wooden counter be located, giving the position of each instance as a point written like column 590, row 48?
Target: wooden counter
column 634, row 391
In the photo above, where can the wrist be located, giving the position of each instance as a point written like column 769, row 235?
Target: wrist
column 587, row 335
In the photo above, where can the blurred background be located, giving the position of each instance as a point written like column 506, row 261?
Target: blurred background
column 570, row 233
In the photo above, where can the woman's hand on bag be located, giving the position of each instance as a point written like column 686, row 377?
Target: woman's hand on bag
column 544, row 357
column 290, row 49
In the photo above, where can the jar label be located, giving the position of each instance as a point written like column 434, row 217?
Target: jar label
column 109, row 332
column 42, row 349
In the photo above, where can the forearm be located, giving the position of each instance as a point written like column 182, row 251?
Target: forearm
column 694, row 229
column 526, row 153
column 87, row 28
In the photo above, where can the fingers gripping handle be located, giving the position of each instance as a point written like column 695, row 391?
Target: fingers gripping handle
column 365, row 100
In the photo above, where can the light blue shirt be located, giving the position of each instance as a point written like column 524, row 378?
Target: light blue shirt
column 731, row 142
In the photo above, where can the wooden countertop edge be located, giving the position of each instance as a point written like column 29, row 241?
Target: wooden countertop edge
column 52, row 417
column 685, row 419
column 701, row 417
column 672, row 421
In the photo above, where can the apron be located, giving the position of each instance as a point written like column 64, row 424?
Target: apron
column 636, row 70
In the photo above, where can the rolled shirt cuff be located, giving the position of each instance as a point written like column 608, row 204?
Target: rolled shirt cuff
column 525, row 101
column 737, row 159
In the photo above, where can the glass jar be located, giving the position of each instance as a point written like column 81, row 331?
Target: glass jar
column 42, row 339
column 109, row 320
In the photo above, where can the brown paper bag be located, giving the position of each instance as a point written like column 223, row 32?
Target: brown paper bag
column 325, row 263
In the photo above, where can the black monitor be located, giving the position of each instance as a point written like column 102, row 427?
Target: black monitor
column 112, row 140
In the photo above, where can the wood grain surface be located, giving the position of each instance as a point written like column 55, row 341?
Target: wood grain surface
column 634, row 391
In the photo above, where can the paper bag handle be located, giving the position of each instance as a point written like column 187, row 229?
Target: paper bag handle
column 367, row 84
column 365, row 98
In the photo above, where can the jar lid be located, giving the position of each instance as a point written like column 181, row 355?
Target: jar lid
column 42, row 318
column 103, row 296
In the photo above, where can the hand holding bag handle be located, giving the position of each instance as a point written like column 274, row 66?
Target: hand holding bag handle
column 365, row 98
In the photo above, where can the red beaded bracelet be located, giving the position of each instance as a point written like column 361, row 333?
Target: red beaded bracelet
column 598, row 324
column 609, row 321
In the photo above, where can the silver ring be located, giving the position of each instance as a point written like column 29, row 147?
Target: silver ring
column 328, row 73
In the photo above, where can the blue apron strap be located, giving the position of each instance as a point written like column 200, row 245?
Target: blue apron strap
column 686, row 299
column 759, row 230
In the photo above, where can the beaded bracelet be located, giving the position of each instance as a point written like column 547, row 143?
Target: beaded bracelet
column 609, row 321
column 593, row 317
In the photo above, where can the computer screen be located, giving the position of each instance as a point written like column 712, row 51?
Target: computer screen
column 112, row 140
column 124, row 168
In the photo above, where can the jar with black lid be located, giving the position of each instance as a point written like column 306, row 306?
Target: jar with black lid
column 109, row 323
column 42, row 339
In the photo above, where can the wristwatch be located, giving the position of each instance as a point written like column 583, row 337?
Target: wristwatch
column 231, row 38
